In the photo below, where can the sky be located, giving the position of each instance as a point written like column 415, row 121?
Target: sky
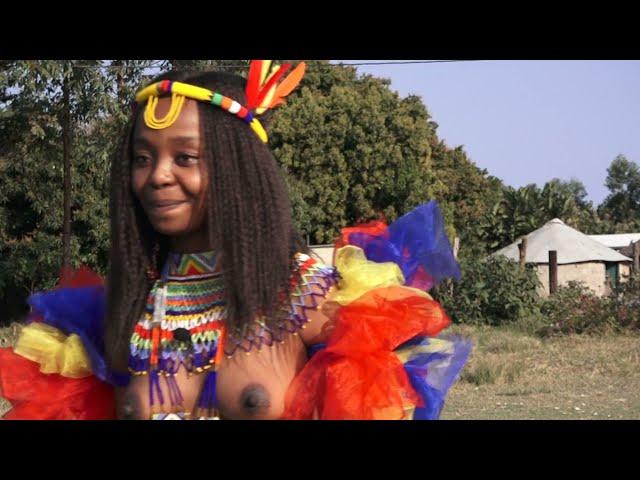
column 530, row 121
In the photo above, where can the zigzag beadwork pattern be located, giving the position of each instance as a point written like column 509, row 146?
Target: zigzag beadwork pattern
column 181, row 265
column 193, row 321
column 311, row 281
column 195, row 311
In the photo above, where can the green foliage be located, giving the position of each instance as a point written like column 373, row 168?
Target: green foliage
column 468, row 191
column 514, row 215
column 575, row 309
column 352, row 150
column 31, row 193
column 493, row 291
column 622, row 206
column 520, row 211
column 625, row 303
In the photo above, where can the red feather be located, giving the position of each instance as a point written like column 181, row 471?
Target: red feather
column 263, row 92
column 253, row 84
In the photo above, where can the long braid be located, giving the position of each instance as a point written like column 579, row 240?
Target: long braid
column 249, row 222
column 129, row 258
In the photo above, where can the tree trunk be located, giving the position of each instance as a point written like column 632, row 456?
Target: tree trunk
column 119, row 65
column 66, row 154
column 522, row 246
column 456, row 247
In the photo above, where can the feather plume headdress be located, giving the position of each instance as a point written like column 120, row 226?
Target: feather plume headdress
column 267, row 87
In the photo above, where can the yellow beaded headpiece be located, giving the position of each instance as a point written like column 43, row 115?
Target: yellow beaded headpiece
column 264, row 90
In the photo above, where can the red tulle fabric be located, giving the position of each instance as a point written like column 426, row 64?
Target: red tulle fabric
column 38, row 396
column 357, row 375
column 374, row 228
column 82, row 277
column 72, row 278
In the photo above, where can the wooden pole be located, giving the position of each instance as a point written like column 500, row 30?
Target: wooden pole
column 553, row 272
column 119, row 66
column 636, row 258
column 522, row 246
column 456, row 247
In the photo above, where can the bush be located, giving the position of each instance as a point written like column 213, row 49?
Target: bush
column 576, row 309
column 493, row 291
column 625, row 303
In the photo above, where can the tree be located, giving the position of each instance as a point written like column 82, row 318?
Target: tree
column 577, row 190
column 514, row 215
column 520, row 211
column 576, row 211
column 32, row 112
column 622, row 206
column 469, row 191
column 239, row 67
column 351, row 150
column 350, row 147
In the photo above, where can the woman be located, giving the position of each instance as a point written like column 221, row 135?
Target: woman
column 206, row 269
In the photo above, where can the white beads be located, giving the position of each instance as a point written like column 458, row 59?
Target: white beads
column 160, row 305
column 235, row 107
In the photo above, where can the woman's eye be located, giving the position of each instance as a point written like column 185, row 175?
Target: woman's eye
column 186, row 160
column 141, row 160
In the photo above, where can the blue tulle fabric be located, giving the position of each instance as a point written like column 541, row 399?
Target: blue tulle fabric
column 414, row 241
column 433, row 373
column 80, row 311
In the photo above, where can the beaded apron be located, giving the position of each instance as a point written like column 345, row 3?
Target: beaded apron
column 183, row 327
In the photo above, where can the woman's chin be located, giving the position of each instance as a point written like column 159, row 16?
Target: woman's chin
column 171, row 229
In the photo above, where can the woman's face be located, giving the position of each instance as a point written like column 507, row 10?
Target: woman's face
column 169, row 179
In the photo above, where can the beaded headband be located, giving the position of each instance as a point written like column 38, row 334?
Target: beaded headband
column 262, row 91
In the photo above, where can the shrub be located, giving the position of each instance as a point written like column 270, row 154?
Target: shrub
column 492, row 291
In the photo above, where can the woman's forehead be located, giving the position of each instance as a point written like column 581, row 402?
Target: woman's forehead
column 184, row 130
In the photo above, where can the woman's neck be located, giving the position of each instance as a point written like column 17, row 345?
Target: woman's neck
column 193, row 243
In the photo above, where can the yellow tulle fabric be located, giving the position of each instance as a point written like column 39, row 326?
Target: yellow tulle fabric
column 359, row 275
column 53, row 350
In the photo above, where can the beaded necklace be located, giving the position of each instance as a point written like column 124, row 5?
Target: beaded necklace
column 183, row 326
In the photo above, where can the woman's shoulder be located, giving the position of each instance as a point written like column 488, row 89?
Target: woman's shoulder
column 313, row 284
column 311, row 277
column 306, row 261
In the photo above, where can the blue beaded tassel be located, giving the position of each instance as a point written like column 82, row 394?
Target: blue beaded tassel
column 208, row 403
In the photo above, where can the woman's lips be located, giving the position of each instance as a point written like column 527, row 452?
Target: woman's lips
column 166, row 206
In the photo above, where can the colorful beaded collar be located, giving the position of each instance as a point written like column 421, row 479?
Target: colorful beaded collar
column 183, row 326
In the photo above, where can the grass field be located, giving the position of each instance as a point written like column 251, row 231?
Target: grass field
column 516, row 376
column 512, row 375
